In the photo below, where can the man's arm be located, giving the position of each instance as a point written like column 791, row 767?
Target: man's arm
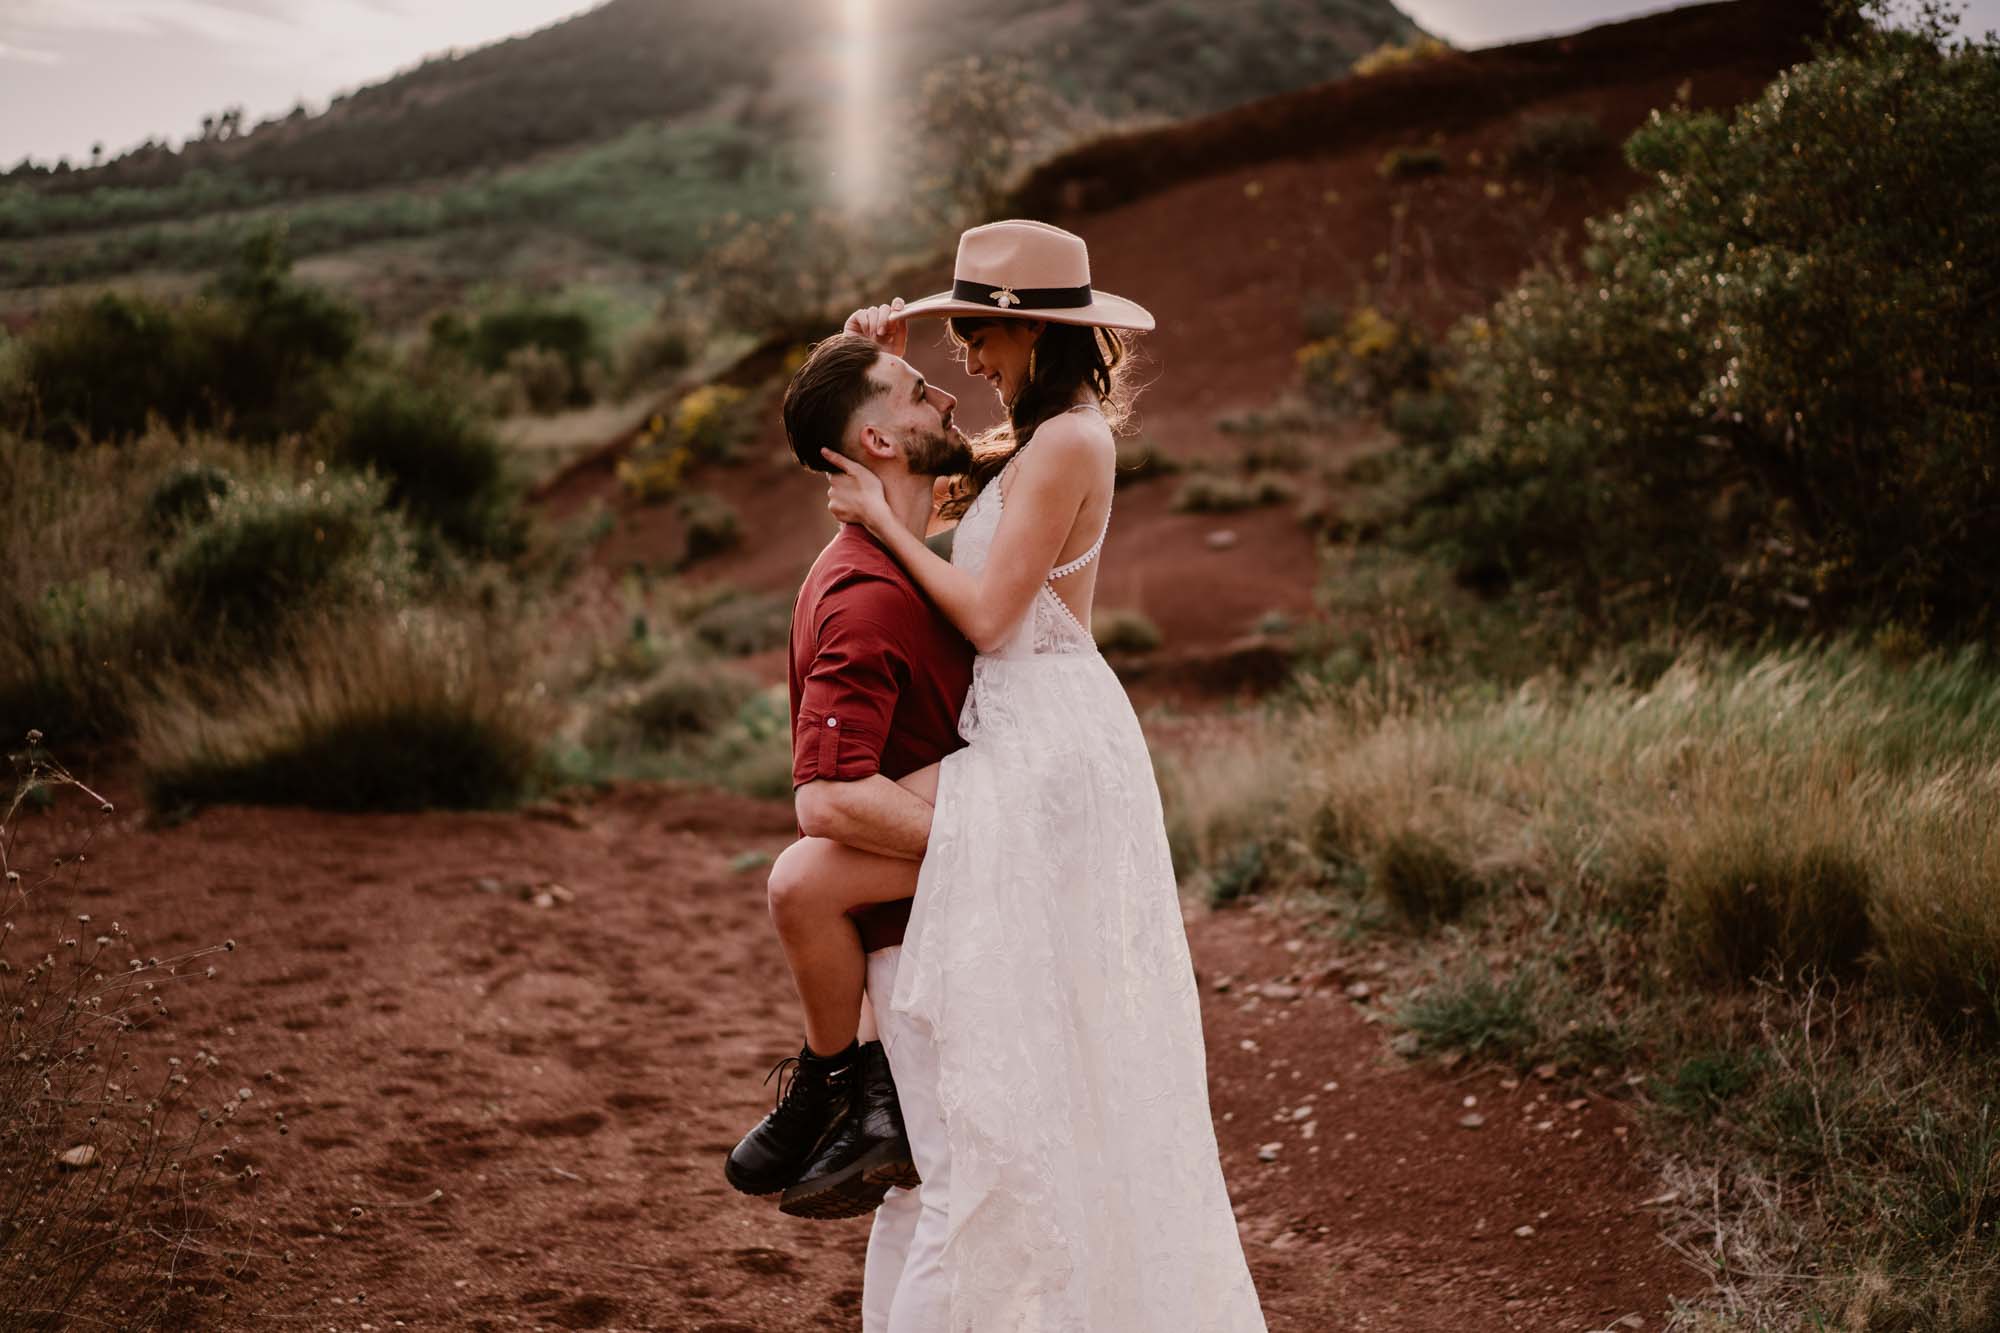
column 872, row 814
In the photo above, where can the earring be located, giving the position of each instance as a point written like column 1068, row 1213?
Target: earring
column 1031, row 365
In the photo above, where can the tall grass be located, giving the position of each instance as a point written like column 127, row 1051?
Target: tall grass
column 1820, row 776
column 1771, row 876
column 409, row 712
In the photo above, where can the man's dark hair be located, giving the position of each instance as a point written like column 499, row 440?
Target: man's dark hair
column 823, row 395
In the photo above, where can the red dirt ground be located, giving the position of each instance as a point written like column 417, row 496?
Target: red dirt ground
column 528, row 1106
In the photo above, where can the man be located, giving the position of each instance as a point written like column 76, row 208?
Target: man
column 878, row 676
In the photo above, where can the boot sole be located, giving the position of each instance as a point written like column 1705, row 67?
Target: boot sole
column 856, row 1189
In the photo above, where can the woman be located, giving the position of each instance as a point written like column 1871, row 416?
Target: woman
column 1045, row 949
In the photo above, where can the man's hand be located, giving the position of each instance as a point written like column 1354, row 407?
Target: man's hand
column 884, row 324
column 872, row 814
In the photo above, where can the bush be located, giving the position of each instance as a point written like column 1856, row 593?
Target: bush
column 1124, row 631
column 711, row 422
column 1142, row 460
column 1375, row 357
column 1210, row 493
column 707, row 426
column 95, row 370
column 270, row 550
column 444, row 466
column 409, row 713
column 187, row 494
column 1744, row 905
column 1421, row 879
column 1770, row 392
column 712, row 527
column 534, row 379
column 549, row 346
column 1474, row 1013
column 694, row 720
column 1702, row 1084
column 1556, row 142
column 687, row 699
column 1398, row 55
column 259, row 354
column 1402, row 164
column 1430, row 419
column 740, row 624
column 665, row 344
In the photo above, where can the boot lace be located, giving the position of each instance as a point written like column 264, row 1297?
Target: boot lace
column 788, row 1072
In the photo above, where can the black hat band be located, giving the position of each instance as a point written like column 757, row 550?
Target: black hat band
column 1027, row 298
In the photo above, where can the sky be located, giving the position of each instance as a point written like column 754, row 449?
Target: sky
column 78, row 72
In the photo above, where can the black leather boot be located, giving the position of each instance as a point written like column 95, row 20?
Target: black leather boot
column 866, row 1154
column 811, row 1100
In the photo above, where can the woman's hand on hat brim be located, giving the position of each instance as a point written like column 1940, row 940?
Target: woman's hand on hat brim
column 883, row 325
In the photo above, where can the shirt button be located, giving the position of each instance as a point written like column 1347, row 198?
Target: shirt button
column 833, row 722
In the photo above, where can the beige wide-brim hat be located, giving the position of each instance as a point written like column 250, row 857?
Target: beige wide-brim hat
column 1029, row 270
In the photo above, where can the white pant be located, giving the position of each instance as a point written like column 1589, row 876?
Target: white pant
column 903, row 1287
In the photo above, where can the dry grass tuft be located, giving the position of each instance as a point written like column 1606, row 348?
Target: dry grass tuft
column 97, row 1145
column 420, row 710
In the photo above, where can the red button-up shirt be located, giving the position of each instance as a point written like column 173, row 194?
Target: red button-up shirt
column 878, row 676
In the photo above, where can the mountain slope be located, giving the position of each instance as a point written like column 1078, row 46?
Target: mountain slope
column 630, row 61
column 1233, row 230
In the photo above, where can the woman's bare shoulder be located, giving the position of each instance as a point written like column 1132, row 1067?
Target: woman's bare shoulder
column 1068, row 439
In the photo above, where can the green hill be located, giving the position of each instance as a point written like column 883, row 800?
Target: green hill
column 628, row 129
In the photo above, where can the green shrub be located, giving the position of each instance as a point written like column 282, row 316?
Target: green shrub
column 1124, row 631
column 96, row 370
column 711, row 526
column 561, row 343
column 276, row 346
column 1211, row 493
column 1421, row 879
column 1142, row 460
column 1472, row 1012
column 740, row 624
column 1561, row 141
column 1743, row 905
column 444, row 466
column 1426, row 418
column 273, row 549
column 1702, row 1084
column 1402, row 164
column 185, row 495
column 534, row 379
column 259, row 354
column 1240, row 874
column 1769, row 392
column 1377, row 356
column 687, row 699
column 666, row 344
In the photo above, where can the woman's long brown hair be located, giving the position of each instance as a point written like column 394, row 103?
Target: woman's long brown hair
column 1066, row 359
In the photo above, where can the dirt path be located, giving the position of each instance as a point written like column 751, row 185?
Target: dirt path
column 528, row 1105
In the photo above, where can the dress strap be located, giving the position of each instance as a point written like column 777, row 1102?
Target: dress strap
column 1083, row 561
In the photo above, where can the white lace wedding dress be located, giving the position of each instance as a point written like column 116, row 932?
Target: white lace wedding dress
column 1047, row 954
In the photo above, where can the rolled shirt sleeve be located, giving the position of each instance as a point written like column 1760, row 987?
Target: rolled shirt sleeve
column 860, row 667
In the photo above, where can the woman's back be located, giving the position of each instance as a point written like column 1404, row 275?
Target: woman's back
column 1059, row 618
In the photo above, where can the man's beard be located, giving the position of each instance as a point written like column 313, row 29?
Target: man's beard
column 943, row 453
